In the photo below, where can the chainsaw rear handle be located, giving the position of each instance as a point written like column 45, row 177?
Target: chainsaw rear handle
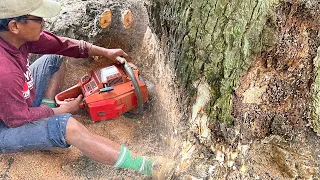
column 59, row 103
column 72, row 92
column 135, row 84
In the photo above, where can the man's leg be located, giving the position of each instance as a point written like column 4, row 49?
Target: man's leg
column 93, row 146
column 56, row 82
column 62, row 131
column 104, row 150
column 48, row 73
column 43, row 134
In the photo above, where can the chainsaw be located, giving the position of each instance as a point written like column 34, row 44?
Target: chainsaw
column 109, row 91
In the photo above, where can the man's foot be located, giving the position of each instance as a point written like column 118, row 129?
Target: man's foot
column 162, row 169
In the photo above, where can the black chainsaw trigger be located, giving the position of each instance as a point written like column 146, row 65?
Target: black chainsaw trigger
column 106, row 89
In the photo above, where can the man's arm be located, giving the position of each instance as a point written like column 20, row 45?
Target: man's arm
column 14, row 110
column 49, row 43
column 111, row 54
column 52, row 44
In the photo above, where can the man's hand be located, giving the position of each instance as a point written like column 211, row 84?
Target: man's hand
column 70, row 106
column 116, row 55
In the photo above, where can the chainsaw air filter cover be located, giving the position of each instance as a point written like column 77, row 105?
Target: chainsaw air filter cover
column 108, row 92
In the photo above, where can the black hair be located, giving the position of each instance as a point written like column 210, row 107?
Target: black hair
column 5, row 22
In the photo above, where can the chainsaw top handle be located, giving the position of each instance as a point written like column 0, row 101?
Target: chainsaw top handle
column 135, row 84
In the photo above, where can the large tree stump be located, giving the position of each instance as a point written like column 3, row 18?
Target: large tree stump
column 111, row 24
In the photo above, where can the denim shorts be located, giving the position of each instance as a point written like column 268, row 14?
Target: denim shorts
column 45, row 133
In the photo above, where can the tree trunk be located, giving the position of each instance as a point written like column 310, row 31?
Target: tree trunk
column 250, row 71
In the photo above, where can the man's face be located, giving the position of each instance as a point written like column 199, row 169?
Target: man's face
column 30, row 29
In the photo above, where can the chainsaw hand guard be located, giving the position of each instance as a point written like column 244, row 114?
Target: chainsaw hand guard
column 136, row 86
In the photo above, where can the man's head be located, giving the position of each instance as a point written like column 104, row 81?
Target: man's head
column 25, row 17
column 40, row 8
column 4, row 23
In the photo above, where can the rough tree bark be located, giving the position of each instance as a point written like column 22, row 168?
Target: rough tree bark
column 250, row 71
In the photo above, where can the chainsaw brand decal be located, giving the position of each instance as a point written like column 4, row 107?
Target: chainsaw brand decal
column 28, row 84
column 108, row 73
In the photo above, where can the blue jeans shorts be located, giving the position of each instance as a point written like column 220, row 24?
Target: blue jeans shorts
column 45, row 133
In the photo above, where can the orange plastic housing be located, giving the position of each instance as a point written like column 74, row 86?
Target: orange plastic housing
column 108, row 92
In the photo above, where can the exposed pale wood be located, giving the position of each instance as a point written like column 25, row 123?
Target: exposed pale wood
column 106, row 19
column 127, row 18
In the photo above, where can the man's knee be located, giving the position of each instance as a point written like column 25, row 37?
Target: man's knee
column 57, row 126
column 75, row 130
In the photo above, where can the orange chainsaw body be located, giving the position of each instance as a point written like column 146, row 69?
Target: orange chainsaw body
column 107, row 92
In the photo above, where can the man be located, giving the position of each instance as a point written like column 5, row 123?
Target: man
column 26, row 121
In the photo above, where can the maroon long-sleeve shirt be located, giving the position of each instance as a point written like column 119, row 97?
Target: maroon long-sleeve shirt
column 17, row 91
